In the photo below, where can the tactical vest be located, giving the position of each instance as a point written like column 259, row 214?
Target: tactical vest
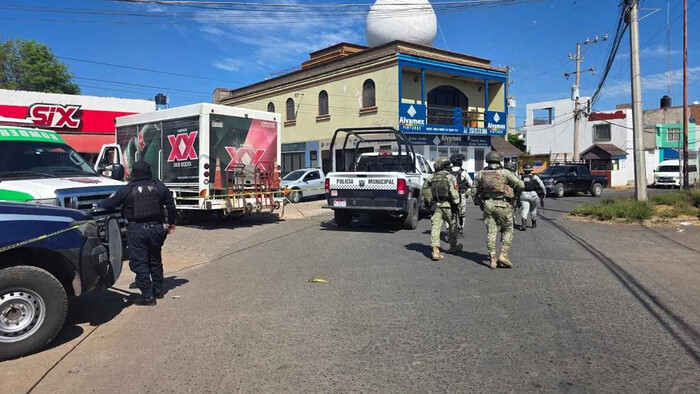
column 461, row 181
column 147, row 204
column 492, row 183
column 440, row 187
column 530, row 183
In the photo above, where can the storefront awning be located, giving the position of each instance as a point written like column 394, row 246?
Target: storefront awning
column 88, row 143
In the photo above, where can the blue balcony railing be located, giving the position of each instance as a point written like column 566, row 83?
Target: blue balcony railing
column 454, row 116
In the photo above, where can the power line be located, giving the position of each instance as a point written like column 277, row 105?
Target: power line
column 148, row 70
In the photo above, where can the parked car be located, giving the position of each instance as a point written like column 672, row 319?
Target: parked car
column 48, row 255
column 668, row 173
column 303, row 183
column 561, row 179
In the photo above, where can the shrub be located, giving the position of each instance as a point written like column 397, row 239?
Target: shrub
column 623, row 208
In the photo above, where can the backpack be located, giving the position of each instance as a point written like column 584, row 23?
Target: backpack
column 440, row 187
column 493, row 185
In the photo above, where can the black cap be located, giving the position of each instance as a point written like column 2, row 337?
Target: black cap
column 141, row 170
column 456, row 157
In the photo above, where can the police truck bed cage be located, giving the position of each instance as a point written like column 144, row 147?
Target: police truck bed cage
column 405, row 148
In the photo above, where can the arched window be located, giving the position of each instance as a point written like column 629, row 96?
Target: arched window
column 291, row 115
column 270, row 107
column 323, row 103
column 368, row 94
column 442, row 101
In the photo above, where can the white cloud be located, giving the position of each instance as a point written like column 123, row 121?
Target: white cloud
column 655, row 52
column 279, row 39
column 653, row 82
column 228, row 64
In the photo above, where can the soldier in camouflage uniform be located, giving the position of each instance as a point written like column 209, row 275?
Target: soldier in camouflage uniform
column 442, row 188
column 494, row 188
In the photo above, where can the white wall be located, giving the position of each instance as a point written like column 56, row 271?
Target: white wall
column 24, row 99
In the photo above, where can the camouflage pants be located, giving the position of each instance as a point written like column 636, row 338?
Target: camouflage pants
column 443, row 214
column 498, row 215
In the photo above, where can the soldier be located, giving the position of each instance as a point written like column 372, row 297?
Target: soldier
column 534, row 190
column 513, row 167
column 464, row 183
column 442, row 188
column 493, row 189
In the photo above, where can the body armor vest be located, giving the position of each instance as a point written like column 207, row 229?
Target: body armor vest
column 530, row 183
column 492, row 184
column 147, row 205
column 440, row 187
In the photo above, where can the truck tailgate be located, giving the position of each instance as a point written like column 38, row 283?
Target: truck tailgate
column 364, row 191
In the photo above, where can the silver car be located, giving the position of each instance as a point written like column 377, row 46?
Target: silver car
column 304, row 183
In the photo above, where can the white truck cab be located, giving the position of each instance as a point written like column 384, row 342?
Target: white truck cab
column 669, row 173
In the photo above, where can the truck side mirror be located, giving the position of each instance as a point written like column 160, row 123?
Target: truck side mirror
column 117, row 171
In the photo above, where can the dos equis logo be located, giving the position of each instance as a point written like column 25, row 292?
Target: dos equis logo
column 182, row 147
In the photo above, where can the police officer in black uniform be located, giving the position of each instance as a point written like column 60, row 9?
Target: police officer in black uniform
column 142, row 201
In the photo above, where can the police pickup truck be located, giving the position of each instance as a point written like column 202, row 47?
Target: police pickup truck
column 48, row 255
column 388, row 181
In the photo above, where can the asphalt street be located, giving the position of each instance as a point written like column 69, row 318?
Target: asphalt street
column 587, row 308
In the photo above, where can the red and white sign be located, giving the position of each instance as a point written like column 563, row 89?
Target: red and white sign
column 55, row 116
column 182, row 146
column 245, row 155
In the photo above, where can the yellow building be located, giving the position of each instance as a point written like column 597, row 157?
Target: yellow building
column 446, row 102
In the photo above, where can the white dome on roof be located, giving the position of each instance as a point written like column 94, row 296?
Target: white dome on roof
column 413, row 21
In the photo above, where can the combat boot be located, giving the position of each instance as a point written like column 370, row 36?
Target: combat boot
column 454, row 249
column 523, row 227
column 436, row 254
column 493, row 263
column 534, row 223
column 503, row 259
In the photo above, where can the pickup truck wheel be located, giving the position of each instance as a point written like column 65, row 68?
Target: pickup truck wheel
column 295, row 196
column 33, row 308
column 596, row 190
column 342, row 217
column 411, row 220
column 559, row 190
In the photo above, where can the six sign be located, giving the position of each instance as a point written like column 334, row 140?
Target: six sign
column 55, row 115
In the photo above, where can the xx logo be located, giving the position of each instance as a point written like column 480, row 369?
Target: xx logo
column 182, row 147
column 55, row 115
column 247, row 156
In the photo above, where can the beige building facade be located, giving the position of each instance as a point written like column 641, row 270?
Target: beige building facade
column 445, row 102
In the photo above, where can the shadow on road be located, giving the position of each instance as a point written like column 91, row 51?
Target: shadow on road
column 101, row 307
column 426, row 250
column 364, row 224
column 685, row 334
column 203, row 221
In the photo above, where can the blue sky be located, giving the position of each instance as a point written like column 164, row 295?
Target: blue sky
column 233, row 48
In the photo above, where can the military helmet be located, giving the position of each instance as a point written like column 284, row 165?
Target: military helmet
column 493, row 157
column 442, row 163
column 456, row 157
column 511, row 166
column 527, row 168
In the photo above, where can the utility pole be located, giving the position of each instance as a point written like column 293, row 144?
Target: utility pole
column 686, row 184
column 576, row 90
column 640, row 171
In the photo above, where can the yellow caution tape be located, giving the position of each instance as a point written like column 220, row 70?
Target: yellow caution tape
column 39, row 238
column 317, row 280
column 252, row 193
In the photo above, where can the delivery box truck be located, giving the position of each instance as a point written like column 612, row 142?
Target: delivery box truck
column 214, row 158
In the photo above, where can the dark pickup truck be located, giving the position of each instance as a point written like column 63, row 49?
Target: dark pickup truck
column 48, row 255
column 560, row 179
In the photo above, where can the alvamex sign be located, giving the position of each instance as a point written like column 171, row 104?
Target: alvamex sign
column 55, row 115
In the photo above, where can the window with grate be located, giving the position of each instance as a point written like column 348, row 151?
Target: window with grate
column 323, row 103
column 368, row 94
column 291, row 115
column 601, row 133
column 673, row 134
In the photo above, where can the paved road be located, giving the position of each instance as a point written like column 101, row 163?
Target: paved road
column 588, row 307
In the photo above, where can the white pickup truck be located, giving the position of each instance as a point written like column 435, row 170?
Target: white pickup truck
column 385, row 181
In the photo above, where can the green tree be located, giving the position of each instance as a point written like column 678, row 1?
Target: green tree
column 31, row 65
column 515, row 140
